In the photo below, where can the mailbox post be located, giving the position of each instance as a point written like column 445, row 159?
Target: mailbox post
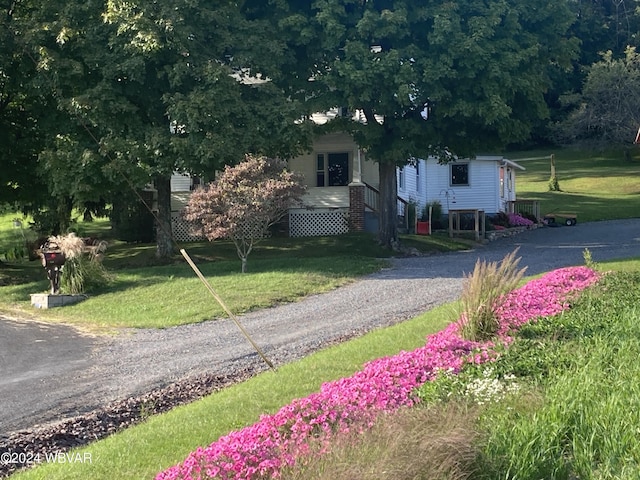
column 53, row 260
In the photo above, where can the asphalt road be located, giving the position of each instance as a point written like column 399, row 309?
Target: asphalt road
column 52, row 372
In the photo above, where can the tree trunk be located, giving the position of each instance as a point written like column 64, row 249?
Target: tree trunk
column 164, row 241
column 388, row 224
column 64, row 209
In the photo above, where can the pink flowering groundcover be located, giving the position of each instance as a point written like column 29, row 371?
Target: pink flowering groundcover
column 383, row 386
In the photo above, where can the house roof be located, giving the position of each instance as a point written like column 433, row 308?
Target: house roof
column 501, row 159
column 513, row 164
column 320, row 118
column 493, row 158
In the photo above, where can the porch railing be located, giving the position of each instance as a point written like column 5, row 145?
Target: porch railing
column 372, row 202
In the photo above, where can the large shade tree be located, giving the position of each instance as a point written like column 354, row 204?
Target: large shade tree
column 599, row 26
column 158, row 87
column 477, row 71
column 22, row 107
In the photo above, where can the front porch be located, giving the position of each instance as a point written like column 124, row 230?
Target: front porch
column 338, row 210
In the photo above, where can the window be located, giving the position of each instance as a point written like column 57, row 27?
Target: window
column 338, row 169
column 401, row 179
column 417, row 176
column 459, row 174
column 320, row 170
column 332, row 169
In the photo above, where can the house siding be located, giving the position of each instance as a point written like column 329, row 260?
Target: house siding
column 482, row 191
column 180, row 182
column 326, row 197
column 410, row 191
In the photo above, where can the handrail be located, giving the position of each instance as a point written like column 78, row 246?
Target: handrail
column 372, row 201
column 373, row 193
column 371, row 197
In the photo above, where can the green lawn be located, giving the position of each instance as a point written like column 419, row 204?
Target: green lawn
column 596, row 186
column 145, row 294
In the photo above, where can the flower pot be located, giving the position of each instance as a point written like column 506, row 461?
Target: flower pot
column 423, row 228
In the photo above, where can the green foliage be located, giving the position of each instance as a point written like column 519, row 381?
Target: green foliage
column 436, row 214
column 131, row 220
column 84, row 274
column 554, row 186
column 599, row 117
column 16, row 241
column 588, row 259
column 474, row 385
column 582, row 425
column 403, row 61
column 411, row 215
column 482, row 289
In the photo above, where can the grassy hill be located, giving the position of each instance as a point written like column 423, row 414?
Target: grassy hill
column 595, row 185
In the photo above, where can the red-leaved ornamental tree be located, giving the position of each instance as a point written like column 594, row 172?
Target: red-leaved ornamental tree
column 244, row 201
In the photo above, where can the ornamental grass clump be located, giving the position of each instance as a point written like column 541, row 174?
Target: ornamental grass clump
column 82, row 270
column 483, row 290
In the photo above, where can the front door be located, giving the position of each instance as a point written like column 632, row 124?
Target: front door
column 338, row 169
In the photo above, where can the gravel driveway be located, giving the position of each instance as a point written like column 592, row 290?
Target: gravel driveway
column 52, row 372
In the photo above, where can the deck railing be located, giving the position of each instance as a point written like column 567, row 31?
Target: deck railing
column 531, row 207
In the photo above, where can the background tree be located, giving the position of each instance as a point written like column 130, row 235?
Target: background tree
column 479, row 70
column 599, row 26
column 22, row 107
column 607, row 113
column 244, row 202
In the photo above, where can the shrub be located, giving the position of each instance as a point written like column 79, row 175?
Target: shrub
column 82, row 271
column 436, row 214
column 84, row 274
column 482, row 290
column 244, row 202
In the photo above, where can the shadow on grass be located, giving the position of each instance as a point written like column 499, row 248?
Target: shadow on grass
column 121, row 255
column 132, row 266
column 589, row 208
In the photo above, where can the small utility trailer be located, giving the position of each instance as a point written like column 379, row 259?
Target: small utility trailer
column 554, row 218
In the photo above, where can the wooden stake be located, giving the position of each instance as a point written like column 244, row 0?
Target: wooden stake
column 224, row 307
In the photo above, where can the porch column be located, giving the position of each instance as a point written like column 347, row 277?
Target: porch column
column 356, row 207
column 356, row 176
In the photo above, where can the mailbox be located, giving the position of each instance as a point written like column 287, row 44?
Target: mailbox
column 53, row 260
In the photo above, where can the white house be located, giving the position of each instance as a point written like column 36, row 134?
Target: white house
column 486, row 182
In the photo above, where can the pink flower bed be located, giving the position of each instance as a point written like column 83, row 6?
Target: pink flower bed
column 517, row 220
column 383, row 385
